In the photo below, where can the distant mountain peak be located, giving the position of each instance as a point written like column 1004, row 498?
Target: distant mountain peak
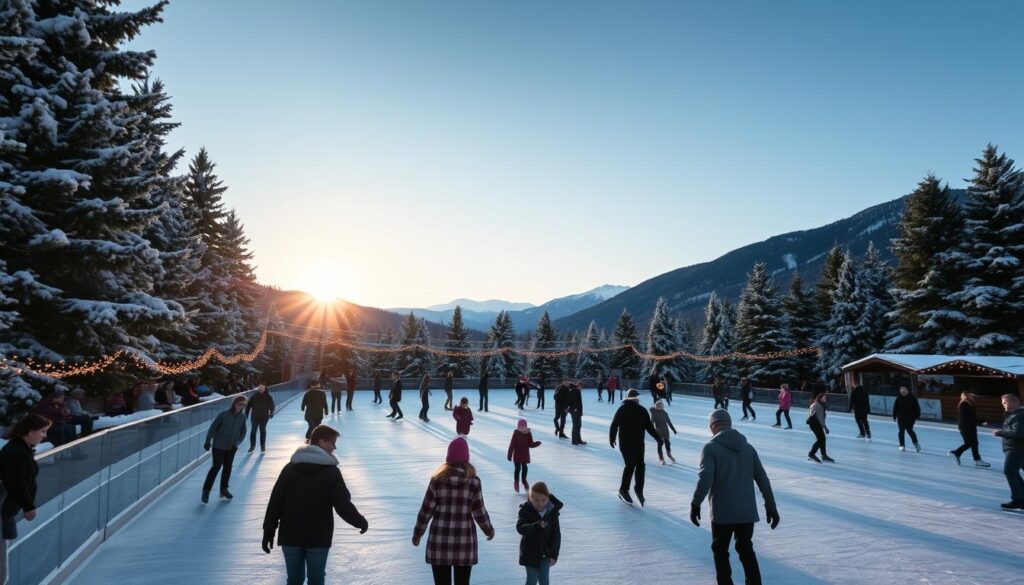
column 488, row 306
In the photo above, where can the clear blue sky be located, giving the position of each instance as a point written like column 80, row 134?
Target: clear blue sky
column 420, row 151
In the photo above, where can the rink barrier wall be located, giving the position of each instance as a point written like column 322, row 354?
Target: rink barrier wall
column 92, row 487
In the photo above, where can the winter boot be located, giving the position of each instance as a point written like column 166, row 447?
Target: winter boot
column 206, row 497
column 982, row 463
column 955, row 457
column 252, row 448
column 516, row 486
column 226, row 494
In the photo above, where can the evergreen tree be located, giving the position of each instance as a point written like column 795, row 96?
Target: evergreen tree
column 685, row 342
column 761, row 328
column 424, row 357
column 991, row 257
column 589, row 364
column 723, row 344
column 662, row 341
column 626, row 359
column 801, row 321
column 415, row 361
column 848, row 338
column 546, row 340
column 827, row 284
column 279, row 349
column 571, row 344
column 457, row 341
column 876, row 276
column 381, row 361
column 243, row 295
column 930, row 228
column 503, row 336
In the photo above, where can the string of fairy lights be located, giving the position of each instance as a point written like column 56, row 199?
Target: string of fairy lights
column 120, row 358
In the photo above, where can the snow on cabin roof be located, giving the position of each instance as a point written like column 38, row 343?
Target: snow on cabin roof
column 1008, row 364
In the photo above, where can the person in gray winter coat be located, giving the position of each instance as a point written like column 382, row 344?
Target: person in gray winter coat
column 662, row 422
column 1012, row 434
column 729, row 468
column 224, row 436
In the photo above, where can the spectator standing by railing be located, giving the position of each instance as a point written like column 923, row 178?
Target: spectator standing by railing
column 53, row 408
column 18, row 472
column 78, row 414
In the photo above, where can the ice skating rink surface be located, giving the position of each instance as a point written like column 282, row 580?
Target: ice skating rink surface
column 877, row 516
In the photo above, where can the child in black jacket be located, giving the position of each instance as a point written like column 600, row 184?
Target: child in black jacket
column 542, row 536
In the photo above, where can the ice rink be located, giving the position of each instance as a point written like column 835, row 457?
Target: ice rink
column 876, row 517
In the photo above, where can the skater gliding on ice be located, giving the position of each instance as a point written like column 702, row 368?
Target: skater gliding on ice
column 377, row 384
column 260, row 410
column 485, row 378
column 729, row 468
column 967, row 423
column 314, row 403
column 541, row 534
column 860, row 405
column 395, row 397
column 561, row 408
column 662, row 422
column 576, row 412
column 628, row 426
column 519, row 453
column 449, row 386
column 225, row 434
column 720, row 392
column 816, row 420
column 1012, row 435
column 463, row 416
column 905, row 411
column 424, row 397
column 746, row 397
column 785, row 403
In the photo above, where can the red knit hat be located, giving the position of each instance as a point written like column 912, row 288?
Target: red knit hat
column 521, row 424
column 458, row 451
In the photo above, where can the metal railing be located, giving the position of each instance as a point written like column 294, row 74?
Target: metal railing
column 90, row 488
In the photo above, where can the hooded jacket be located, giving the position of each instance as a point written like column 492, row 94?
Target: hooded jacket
column 463, row 418
column 227, row 430
column 785, row 399
column 906, row 408
column 630, row 423
column 520, row 445
column 539, row 542
column 307, row 494
column 314, row 402
column 729, row 468
column 1012, row 432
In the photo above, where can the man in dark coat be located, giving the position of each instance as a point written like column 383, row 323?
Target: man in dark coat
column 561, row 407
column 522, row 391
column 905, row 412
column 226, row 432
column 314, row 403
column 1012, row 434
column 630, row 423
column 260, row 410
column 652, row 384
column 484, row 402
column 860, row 405
column 576, row 412
column 308, row 490
column 395, row 398
column 350, row 388
column 377, row 384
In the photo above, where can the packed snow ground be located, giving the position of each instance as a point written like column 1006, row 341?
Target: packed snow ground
column 877, row 516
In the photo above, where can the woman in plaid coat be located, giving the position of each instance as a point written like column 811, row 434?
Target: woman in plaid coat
column 453, row 502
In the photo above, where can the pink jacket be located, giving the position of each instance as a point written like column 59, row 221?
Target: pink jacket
column 463, row 418
column 520, row 445
column 785, row 399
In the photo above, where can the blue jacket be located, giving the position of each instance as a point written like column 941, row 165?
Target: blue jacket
column 227, row 430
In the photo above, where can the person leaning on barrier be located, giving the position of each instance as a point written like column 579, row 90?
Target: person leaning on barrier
column 18, row 470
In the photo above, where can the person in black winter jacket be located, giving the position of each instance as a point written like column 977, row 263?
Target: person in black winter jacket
column 1012, row 434
column 226, row 432
column 307, row 493
column 260, row 410
column 860, row 405
column 541, row 533
column 630, row 423
column 561, row 407
column 335, row 390
column 484, row 402
column 377, row 384
column 541, row 382
column 576, row 412
column 746, row 397
column 18, row 471
column 314, row 403
column 350, row 389
column 396, row 397
column 905, row 411
column 967, row 423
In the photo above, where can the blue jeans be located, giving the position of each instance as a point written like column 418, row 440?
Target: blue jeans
column 538, row 575
column 301, row 562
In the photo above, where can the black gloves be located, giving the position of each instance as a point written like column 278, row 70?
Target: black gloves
column 364, row 527
column 772, row 517
column 206, row 445
column 695, row 514
column 268, row 542
column 613, row 443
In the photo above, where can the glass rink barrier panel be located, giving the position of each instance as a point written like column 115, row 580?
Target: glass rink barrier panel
column 89, row 488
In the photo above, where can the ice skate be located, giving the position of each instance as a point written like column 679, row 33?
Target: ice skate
column 955, row 457
column 982, row 463
column 624, row 496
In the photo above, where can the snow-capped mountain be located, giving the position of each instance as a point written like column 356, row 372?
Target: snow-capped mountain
column 489, row 306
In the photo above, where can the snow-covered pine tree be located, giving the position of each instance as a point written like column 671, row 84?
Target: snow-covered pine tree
column 381, row 361
column 761, row 328
column 930, row 228
column 243, row 296
column 424, row 357
column 685, row 342
column 279, row 349
column 412, row 362
column 546, row 340
column 802, row 323
column 723, row 344
column 73, row 240
column 876, row 278
column 589, row 364
column 571, row 344
column 463, row 366
column 848, row 338
column 827, row 284
column 991, row 257
column 626, row 359
column 661, row 341
column 503, row 336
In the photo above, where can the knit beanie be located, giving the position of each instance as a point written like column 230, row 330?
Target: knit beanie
column 458, row 451
column 633, row 393
column 719, row 416
column 521, row 424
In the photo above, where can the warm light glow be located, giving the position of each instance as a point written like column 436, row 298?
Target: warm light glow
column 327, row 284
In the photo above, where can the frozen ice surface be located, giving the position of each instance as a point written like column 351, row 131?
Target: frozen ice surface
column 877, row 516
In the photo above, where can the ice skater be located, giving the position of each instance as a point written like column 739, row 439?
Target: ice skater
column 729, row 466
column 785, row 403
column 576, row 412
column 816, row 420
column 395, row 397
column 260, row 409
column 424, row 397
column 1012, row 434
column 350, row 389
column 860, row 405
column 746, row 397
column 377, row 384
column 540, row 391
column 463, row 416
column 314, row 404
column 720, row 391
column 967, row 423
column 519, row 453
column 485, row 378
column 561, row 408
column 905, row 411
column 225, row 434
column 522, row 389
column 600, row 387
column 667, row 395
column 628, row 426
column 308, row 492
column 613, row 386
column 449, row 386
column 452, row 508
column 541, row 534
column 662, row 422
column 335, row 391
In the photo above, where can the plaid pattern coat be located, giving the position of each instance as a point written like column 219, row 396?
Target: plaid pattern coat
column 450, row 507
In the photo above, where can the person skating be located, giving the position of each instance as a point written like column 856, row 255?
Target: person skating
column 484, row 380
column 395, row 397
column 816, row 420
column 463, row 416
column 541, row 382
column 561, row 408
column 576, row 412
column 452, row 508
column 785, row 403
column 424, row 397
column 667, row 393
column 314, row 404
column 522, row 388
column 905, row 411
column 308, row 492
column 662, row 422
column 628, row 426
column 449, row 386
column 377, row 385
column 860, row 405
column 729, row 468
column 225, row 434
column 652, row 384
column 260, row 410
column 746, row 397
column 720, row 391
column 350, row 389
column 613, row 386
column 1012, row 434
column 519, row 453
column 967, row 423
column 335, row 391
column 541, row 534
column 600, row 387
